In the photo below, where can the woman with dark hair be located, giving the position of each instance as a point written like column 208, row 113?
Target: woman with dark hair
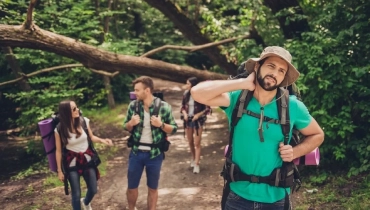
column 73, row 153
column 195, row 115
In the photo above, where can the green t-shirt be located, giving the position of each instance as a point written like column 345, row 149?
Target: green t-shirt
column 261, row 158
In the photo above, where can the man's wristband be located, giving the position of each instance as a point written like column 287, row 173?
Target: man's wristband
column 162, row 126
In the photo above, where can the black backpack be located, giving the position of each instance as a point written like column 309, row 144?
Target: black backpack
column 162, row 145
column 231, row 172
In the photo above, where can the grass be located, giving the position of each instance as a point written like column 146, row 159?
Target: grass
column 52, row 181
column 108, row 116
column 336, row 191
column 33, row 169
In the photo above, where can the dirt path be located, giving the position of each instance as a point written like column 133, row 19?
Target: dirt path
column 179, row 188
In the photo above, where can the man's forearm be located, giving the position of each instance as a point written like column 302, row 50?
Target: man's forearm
column 308, row 145
column 208, row 90
column 128, row 126
column 168, row 128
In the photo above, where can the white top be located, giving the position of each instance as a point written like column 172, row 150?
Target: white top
column 79, row 144
column 146, row 135
column 191, row 107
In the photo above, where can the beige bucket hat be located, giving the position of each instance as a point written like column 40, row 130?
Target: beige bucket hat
column 292, row 74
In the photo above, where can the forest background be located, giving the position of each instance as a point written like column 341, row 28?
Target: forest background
column 90, row 50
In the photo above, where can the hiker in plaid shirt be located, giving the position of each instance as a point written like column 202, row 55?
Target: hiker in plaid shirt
column 148, row 132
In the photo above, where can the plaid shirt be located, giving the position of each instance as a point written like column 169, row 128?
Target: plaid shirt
column 81, row 162
column 166, row 115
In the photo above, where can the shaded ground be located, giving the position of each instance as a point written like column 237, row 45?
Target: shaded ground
column 179, row 188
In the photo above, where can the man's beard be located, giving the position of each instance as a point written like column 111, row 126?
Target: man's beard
column 266, row 85
column 142, row 97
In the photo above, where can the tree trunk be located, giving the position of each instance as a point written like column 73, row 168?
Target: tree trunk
column 108, row 88
column 94, row 58
column 107, row 18
column 115, row 17
column 193, row 33
column 293, row 28
column 97, row 12
column 16, row 69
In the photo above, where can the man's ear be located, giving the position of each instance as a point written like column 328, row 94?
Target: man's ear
column 256, row 66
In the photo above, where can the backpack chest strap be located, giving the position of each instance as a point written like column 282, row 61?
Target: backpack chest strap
column 265, row 119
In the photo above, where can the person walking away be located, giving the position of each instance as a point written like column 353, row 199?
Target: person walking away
column 194, row 116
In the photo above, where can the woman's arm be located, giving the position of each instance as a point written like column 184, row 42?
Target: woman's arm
column 98, row 139
column 183, row 107
column 206, row 110
column 58, row 156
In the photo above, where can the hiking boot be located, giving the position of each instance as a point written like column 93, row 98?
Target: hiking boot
column 192, row 163
column 85, row 207
column 196, row 169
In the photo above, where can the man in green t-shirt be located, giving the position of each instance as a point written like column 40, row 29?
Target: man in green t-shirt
column 273, row 69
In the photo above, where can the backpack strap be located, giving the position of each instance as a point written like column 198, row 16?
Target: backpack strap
column 136, row 104
column 244, row 97
column 283, row 110
column 136, row 111
column 84, row 126
column 157, row 106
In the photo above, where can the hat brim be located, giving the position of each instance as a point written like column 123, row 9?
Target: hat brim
column 291, row 76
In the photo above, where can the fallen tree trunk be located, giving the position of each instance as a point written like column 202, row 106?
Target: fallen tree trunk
column 94, row 58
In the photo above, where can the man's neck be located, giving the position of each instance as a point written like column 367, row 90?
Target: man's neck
column 263, row 97
column 148, row 101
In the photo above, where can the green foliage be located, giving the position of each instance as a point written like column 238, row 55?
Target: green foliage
column 75, row 20
column 319, row 178
column 43, row 101
column 33, row 169
column 335, row 81
column 108, row 116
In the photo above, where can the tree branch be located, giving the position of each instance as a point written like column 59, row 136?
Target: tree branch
column 105, row 73
column 193, row 48
column 23, row 76
column 193, row 33
column 39, row 72
column 95, row 58
column 28, row 23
